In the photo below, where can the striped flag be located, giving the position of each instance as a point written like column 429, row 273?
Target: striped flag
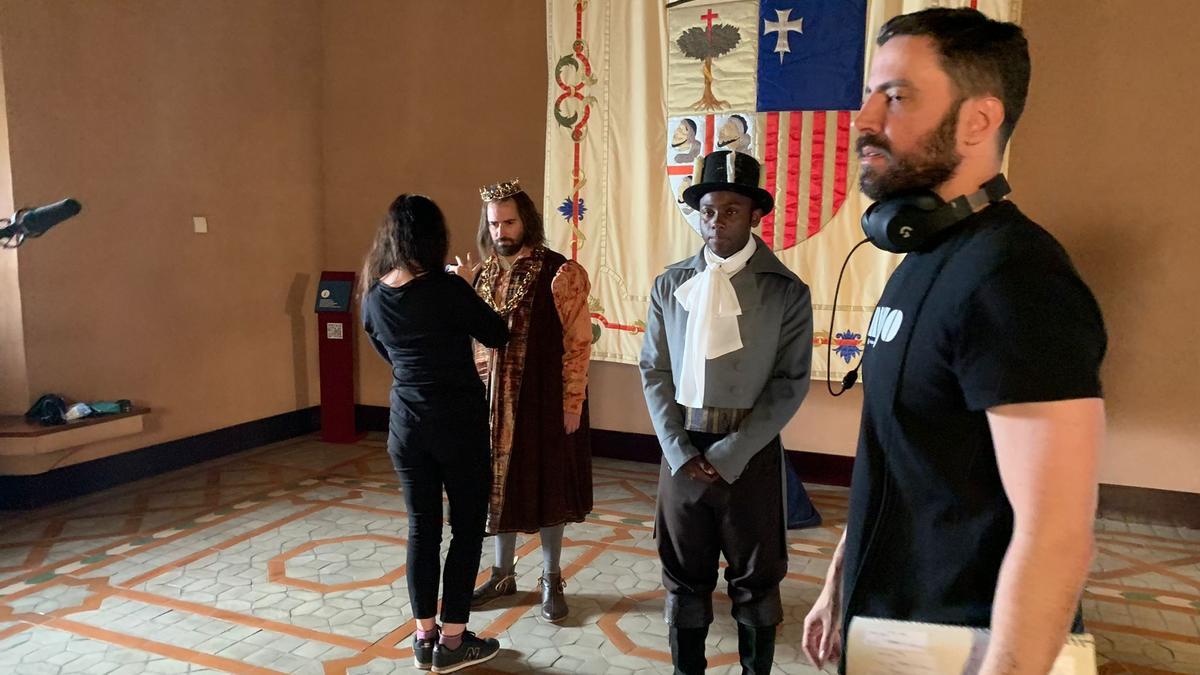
column 805, row 158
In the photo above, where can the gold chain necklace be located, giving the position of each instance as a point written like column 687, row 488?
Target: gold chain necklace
column 524, row 273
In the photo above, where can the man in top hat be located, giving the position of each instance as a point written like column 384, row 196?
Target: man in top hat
column 537, row 388
column 725, row 364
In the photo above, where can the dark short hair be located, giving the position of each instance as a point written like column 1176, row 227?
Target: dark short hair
column 412, row 237
column 691, row 123
column 981, row 55
column 531, row 220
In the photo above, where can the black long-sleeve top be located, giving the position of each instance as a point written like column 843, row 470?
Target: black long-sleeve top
column 424, row 330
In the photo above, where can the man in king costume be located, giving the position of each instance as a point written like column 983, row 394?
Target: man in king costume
column 537, row 388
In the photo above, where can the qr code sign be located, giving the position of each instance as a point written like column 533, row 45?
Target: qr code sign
column 333, row 331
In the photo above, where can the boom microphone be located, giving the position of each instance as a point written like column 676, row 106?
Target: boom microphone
column 35, row 222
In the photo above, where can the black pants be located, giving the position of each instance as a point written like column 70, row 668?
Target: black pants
column 696, row 523
column 457, row 459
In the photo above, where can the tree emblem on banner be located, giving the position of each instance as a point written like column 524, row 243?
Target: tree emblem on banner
column 706, row 44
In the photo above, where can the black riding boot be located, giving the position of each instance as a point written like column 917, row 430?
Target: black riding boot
column 756, row 647
column 687, row 650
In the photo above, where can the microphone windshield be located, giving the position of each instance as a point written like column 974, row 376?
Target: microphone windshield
column 37, row 221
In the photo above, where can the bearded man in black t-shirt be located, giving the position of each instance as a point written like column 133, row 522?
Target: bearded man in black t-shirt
column 974, row 488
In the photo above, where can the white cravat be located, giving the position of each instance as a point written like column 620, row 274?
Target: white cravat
column 712, row 325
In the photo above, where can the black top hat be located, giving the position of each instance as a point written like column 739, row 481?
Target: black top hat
column 712, row 174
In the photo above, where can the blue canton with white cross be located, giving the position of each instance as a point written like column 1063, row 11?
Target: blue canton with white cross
column 810, row 54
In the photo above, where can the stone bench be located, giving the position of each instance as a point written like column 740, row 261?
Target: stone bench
column 32, row 449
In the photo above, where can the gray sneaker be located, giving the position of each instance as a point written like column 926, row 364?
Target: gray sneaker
column 473, row 650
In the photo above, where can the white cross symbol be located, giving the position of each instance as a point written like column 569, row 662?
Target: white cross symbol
column 782, row 30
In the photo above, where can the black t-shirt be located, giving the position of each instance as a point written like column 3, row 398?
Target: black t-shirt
column 424, row 330
column 991, row 313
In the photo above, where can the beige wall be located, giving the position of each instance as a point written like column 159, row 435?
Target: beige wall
column 430, row 97
column 150, row 113
column 1105, row 158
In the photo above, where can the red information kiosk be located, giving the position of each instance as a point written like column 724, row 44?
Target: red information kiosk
column 335, row 337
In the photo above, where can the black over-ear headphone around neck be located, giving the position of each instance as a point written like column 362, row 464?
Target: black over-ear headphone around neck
column 905, row 222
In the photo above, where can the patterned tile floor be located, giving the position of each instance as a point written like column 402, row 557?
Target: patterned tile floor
column 290, row 559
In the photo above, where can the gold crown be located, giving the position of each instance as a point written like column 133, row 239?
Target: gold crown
column 504, row 190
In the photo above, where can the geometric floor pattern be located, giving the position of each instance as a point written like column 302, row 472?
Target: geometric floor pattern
column 290, row 559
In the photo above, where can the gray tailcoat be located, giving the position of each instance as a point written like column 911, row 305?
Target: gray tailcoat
column 769, row 374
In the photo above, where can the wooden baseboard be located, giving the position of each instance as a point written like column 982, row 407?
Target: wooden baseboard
column 371, row 417
column 1148, row 505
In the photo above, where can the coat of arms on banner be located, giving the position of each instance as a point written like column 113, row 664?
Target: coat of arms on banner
column 775, row 79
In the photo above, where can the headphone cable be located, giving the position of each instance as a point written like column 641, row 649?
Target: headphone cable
column 851, row 377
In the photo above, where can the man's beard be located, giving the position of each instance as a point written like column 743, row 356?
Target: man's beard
column 930, row 165
column 508, row 247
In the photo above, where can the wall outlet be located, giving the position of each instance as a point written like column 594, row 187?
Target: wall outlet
column 200, row 224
